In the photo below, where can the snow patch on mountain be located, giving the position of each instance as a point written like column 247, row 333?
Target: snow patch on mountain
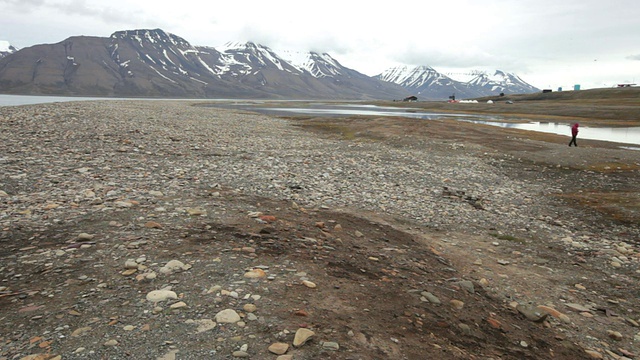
column 319, row 65
column 4, row 45
column 236, row 52
column 6, row 48
column 296, row 58
column 414, row 77
column 501, row 81
column 425, row 80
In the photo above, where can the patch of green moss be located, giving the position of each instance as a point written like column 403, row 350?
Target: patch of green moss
column 506, row 237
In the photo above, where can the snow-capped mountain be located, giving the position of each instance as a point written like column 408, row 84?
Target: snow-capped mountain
column 501, row 82
column 427, row 83
column 156, row 63
column 316, row 64
column 6, row 48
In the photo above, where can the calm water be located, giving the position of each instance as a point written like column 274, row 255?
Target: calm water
column 15, row 100
column 629, row 135
column 626, row 135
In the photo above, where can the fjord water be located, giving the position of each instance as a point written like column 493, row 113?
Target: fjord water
column 625, row 135
column 15, row 100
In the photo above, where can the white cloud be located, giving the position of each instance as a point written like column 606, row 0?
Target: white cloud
column 544, row 41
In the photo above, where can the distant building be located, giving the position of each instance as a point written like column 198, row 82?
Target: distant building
column 626, row 85
column 576, row 87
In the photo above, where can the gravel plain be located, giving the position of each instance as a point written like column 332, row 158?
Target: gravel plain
column 105, row 171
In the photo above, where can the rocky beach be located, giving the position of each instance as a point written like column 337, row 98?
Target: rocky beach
column 171, row 230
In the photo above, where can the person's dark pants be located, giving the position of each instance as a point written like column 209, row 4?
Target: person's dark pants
column 573, row 140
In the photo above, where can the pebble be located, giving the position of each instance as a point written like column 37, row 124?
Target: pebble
column 466, row 329
column 80, row 331
column 309, row 284
column 467, row 285
column 161, row 295
column 255, row 274
column 330, row 345
column 111, row 343
column 555, row 313
column 456, row 304
column 278, row 348
column 227, row 316
column 430, row 297
column 250, row 308
column 594, row 354
column 178, row 305
column 615, row 335
column 171, row 355
column 302, row 336
column 196, row 212
column 173, row 266
column 204, row 324
column 85, row 237
column 532, row 313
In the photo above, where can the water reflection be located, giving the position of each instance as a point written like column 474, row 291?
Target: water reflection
column 371, row 110
column 627, row 135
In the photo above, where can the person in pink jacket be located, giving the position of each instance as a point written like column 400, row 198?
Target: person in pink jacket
column 574, row 134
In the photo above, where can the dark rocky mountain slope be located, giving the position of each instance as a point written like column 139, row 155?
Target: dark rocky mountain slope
column 153, row 63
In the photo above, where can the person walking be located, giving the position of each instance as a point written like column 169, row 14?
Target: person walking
column 574, row 134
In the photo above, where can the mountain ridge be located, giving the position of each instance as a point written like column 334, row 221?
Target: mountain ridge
column 154, row 63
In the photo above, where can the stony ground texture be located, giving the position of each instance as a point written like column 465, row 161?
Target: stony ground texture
column 162, row 230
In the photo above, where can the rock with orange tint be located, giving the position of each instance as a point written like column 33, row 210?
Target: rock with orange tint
column 255, row 274
column 268, row 218
column 494, row 323
column 153, row 225
column 555, row 313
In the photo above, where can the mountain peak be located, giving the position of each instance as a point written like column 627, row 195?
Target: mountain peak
column 151, row 36
column 427, row 82
column 501, row 81
column 6, row 48
column 412, row 76
column 241, row 46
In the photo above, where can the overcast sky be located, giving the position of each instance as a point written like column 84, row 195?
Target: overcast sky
column 548, row 43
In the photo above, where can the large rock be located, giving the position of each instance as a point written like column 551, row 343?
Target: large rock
column 161, row 295
column 228, row 316
column 302, row 336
